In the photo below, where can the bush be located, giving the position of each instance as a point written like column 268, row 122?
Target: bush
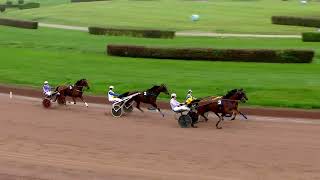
column 132, row 32
column 97, row 31
column 2, row 8
column 311, row 36
column 240, row 55
column 77, row 1
column 29, row 5
column 296, row 21
column 9, row 3
column 19, row 23
column 20, row 1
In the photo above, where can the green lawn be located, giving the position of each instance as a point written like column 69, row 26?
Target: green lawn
column 28, row 57
column 231, row 16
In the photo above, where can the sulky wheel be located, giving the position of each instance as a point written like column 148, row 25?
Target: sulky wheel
column 185, row 121
column 116, row 111
column 127, row 108
column 46, row 103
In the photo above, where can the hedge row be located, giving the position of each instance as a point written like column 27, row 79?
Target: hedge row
column 296, row 21
column 311, row 36
column 2, row 8
column 29, row 5
column 21, row 6
column 76, row 1
column 240, row 55
column 132, row 32
column 19, row 23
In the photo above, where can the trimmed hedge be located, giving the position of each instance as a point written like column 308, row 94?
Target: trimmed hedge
column 78, row 1
column 19, row 23
column 296, row 21
column 2, row 8
column 311, row 36
column 29, row 5
column 132, row 32
column 240, row 55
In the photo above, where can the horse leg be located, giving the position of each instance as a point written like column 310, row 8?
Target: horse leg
column 234, row 116
column 155, row 106
column 243, row 115
column 192, row 123
column 74, row 100
column 205, row 118
column 138, row 106
column 84, row 101
column 220, row 120
column 194, row 126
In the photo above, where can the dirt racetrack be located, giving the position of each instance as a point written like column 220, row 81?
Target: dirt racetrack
column 78, row 143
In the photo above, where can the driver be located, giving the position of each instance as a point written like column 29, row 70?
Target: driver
column 175, row 105
column 113, row 97
column 47, row 90
column 189, row 97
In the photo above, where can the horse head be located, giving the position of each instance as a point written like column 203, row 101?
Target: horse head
column 237, row 94
column 82, row 83
column 163, row 88
column 242, row 95
column 231, row 94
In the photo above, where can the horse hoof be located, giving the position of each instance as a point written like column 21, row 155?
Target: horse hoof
column 195, row 126
column 219, row 127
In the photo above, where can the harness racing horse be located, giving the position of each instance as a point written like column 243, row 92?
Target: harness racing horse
column 229, row 105
column 75, row 91
column 148, row 97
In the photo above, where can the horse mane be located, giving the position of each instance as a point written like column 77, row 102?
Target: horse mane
column 230, row 93
column 79, row 81
column 153, row 88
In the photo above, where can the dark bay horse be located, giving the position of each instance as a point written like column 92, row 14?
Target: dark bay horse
column 75, row 91
column 229, row 105
column 149, row 96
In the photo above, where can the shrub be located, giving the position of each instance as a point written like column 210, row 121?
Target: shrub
column 2, row 8
column 77, row 1
column 20, row 1
column 296, row 21
column 29, row 5
column 9, row 3
column 19, row 23
column 97, row 31
column 240, row 55
column 311, row 37
column 132, row 32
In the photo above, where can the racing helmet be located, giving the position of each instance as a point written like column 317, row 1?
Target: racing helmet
column 173, row 95
column 189, row 91
column 46, row 82
column 111, row 87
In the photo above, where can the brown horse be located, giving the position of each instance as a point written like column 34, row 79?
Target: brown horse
column 229, row 105
column 75, row 91
column 149, row 96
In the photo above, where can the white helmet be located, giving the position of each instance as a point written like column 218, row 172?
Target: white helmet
column 111, row 87
column 173, row 95
column 189, row 91
column 46, row 82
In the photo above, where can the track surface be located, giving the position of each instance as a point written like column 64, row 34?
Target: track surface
column 87, row 143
